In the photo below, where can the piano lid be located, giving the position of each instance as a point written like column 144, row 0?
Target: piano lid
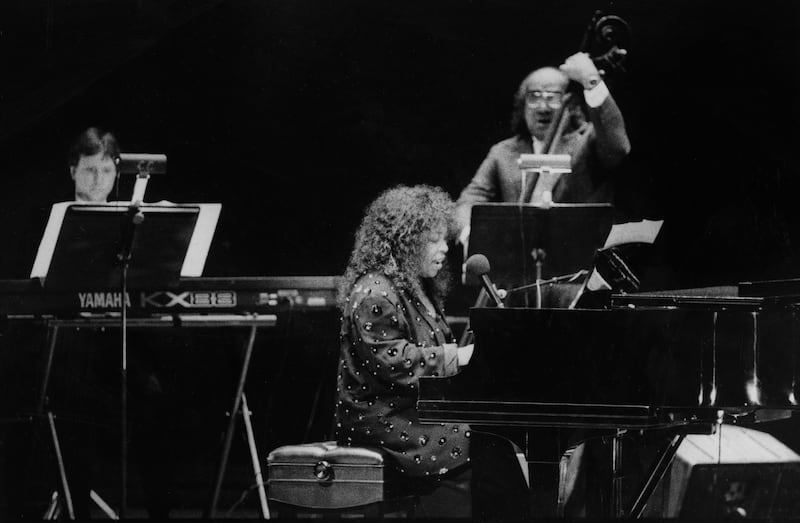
column 787, row 289
column 724, row 296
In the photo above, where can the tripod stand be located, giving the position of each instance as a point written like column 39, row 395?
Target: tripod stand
column 64, row 501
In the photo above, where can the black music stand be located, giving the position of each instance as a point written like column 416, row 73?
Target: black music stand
column 528, row 244
column 109, row 247
column 93, row 238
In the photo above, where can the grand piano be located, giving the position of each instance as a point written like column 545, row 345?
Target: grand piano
column 683, row 360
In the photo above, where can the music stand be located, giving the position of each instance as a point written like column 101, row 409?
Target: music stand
column 87, row 251
column 109, row 247
column 527, row 244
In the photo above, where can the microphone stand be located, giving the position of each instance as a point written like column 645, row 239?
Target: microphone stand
column 133, row 218
column 550, row 281
column 538, row 258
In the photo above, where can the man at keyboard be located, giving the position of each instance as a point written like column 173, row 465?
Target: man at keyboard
column 85, row 380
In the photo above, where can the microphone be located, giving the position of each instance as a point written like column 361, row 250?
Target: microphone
column 478, row 265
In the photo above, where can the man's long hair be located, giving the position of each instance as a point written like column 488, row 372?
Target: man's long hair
column 392, row 236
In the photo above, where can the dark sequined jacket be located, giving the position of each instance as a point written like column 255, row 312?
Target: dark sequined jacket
column 389, row 340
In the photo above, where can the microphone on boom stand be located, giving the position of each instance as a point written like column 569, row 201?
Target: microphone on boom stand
column 478, row 265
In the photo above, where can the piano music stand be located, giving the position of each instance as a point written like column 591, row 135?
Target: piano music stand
column 528, row 244
column 109, row 247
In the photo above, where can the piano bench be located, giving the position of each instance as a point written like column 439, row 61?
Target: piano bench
column 327, row 480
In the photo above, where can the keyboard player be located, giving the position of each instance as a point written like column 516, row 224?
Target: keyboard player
column 87, row 387
column 394, row 331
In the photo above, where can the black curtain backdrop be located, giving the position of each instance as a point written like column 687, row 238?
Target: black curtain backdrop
column 296, row 113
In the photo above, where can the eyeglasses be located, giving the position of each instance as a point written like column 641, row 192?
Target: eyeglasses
column 552, row 99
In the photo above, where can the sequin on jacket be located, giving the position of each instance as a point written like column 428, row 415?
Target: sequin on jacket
column 388, row 340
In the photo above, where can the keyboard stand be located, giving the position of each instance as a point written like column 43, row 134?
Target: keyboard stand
column 252, row 321
column 54, row 508
column 240, row 404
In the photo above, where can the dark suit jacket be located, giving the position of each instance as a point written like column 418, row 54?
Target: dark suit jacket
column 597, row 147
column 389, row 340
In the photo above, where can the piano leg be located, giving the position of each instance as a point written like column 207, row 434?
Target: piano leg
column 615, row 488
column 592, row 475
column 617, row 474
column 548, row 452
column 611, row 487
column 591, row 478
column 566, row 481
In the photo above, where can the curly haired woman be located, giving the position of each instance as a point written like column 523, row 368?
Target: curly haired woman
column 393, row 332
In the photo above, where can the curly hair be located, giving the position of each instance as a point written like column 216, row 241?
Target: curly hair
column 576, row 107
column 392, row 236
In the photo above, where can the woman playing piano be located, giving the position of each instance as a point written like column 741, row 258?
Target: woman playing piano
column 393, row 332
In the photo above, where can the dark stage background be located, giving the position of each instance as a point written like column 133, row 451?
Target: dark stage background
column 296, row 113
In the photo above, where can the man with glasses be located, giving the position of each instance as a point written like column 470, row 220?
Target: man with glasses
column 593, row 135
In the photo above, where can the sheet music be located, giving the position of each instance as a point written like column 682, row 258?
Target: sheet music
column 201, row 239
column 644, row 231
column 48, row 244
column 196, row 254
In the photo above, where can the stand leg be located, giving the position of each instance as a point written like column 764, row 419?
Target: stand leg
column 524, row 193
column 62, row 472
column 52, row 336
column 538, row 258
column 102, row 505
column 313, row 414
column 124, row 445
column 574, row 303
column 237, row 400
column 656, row 473
column 251, row 441
column 123, row 508
column 53, row 509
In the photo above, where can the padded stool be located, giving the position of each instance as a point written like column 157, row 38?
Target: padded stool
column 324, row 479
